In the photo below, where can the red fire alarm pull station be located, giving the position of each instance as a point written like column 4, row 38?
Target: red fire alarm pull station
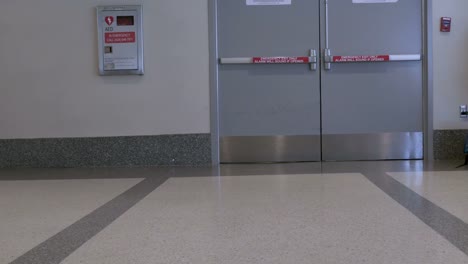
column 445, row 24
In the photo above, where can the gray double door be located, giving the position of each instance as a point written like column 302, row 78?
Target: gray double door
column 319, row 80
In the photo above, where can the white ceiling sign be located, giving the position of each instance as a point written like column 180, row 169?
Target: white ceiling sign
column 268, row 2
column 374, row 1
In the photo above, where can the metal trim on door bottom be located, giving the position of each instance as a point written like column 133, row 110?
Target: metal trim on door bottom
column 378, row 146
column 261, row 149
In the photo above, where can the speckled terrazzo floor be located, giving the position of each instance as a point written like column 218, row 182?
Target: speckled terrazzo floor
column 347, row 212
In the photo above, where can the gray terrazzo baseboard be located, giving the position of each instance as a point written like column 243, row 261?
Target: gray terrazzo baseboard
column 449, row 144
column 132, row 151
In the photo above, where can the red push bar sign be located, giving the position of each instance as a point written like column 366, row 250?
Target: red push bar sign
column 278, row 60
column 120, row 37
column 361, row 58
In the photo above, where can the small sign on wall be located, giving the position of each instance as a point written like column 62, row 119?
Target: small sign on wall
column 269, row 2
column 445, row 24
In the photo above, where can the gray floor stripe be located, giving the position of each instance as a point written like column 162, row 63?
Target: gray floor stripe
column 441, row 221
column 57, row 248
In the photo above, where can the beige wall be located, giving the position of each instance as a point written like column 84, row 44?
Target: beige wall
column 450, row 64
column 49, row 85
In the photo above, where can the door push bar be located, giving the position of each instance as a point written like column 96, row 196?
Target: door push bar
column 368, row 58
column 311, row 60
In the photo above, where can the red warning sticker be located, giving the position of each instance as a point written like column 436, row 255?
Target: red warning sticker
column 273, row 60
column 120, row 37
column 361, row 58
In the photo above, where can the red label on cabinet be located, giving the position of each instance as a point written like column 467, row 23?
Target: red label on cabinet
column 120, row 37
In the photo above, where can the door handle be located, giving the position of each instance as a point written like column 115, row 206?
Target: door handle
column 374, row 58
column 312, row 60
column 329, row 59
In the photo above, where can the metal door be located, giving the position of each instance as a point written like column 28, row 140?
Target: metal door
column 268, row 84
column 372, row 81
column 363, row 100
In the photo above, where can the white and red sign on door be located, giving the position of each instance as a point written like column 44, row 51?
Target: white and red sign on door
column 278, row 60
column 365, row 58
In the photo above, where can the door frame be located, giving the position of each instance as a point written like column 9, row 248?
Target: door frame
column 428, row 104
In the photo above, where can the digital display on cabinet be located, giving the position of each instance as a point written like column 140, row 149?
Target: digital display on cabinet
column 125, row 20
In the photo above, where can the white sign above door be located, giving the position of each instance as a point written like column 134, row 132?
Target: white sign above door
column 374, row 1
column 269, row 2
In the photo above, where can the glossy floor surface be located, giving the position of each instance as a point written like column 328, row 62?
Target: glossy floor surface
column 353, row 212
